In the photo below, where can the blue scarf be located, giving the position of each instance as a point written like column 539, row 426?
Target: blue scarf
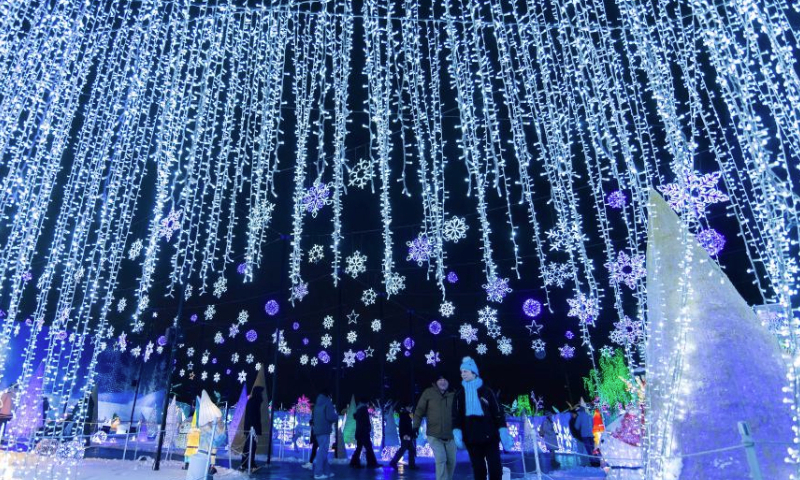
column 471, row 394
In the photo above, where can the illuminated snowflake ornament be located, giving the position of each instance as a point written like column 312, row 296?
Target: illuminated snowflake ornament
column 249, row 358
column 243, row 317
column 395, row 284
column 376, row 325
column 211, row 310
column 235, row 358
column 356, row 264
column 135, row 250
column 497, row 289
column 349, row 358
column 487, row 315
column 233, row 330
column 468, row 333
column 607, row 352
column 316, row 253
column 565, row 236
column 313, row 361
column 360, row 174
column 712, row 241
column 327, row 322
column 504, row 345
column 626, row 269
column 216, row 378
column 493, row 330
column 432, row 358
column 447, row 309
column 481, row 349
column 220, row 286
column 694, row 193
column 566, row 351
column 626, row 331
column 316, row 197
column 584, row 308
column 352, row 336
column 538, row 345
column 121, row 305
column 170, row 224
column 368, row 297
column 242, row 377
column 218, row 339
column 136, row 351
column 299, row 291
column 303, row 359
column 556, row 274
column 394, row 349
column 452, row 277
column 419, row 250
column 617, row 200
column 455, row 229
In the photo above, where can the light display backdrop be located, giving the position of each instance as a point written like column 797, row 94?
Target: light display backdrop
column 568, row 110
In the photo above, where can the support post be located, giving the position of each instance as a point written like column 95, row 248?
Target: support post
column 285, row 239
column 172, row 338
column 750, row 451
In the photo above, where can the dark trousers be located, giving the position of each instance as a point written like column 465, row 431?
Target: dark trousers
column 248, row 453
column 366, row 445
column 406, row 446
column 588, row 444
column 314, row 447
column 485, row 459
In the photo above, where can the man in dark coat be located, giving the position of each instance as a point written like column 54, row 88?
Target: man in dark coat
column 363, row 437
column 252, row 419
column 408, row 438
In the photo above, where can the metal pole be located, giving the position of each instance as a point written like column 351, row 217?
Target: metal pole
column 750, row 451
column 136, row 448
column 536, row 452
column 127, row 437
column 285, row 239
column 411, row 357
column 250, row 452
column 210, row 445
column 136, row 392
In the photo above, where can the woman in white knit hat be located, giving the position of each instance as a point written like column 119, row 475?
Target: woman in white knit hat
column 212, row 436
column 479, row 424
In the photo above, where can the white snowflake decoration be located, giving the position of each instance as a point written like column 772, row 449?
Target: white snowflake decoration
column 136, row 351
column 394, row 349
column 327, row 322
column 626, row 331
column 538, row 345
column 170, row 224
column 204, row 375
column 556, row 274
column 182, row 372
column 360, row 174
column 376, row 325
column 626, row 269
column 135, row 250
column 218, row 338
column 204, row 357
column 326, row 341
column 242, row 377
column 504, row 345
column 233, row 330
column 257, row 366
column 419, row 249
column 299, row 291
column 190, row 352
column 447, row 309
column 566, row 351
column 584, row 308
column 316, row 197
column 487, row 315
column 349, row 358
column 121, row 305
column 352, row 336
column 271, row 368
column 493, row 330
column 432, row 358
column 468, row 333
column 497, row 289
column 316, row 253
column 210, row 311
column 396, row 284
column 313, row 361
column 148, row 350
column 368, row 297
column 607, row 352
column 220, row 286
column 693, row 194
column 356, row 264
column 235, row 358
column 304, row 359
column 481, row 349
column 188, row 292
column 249, row 358
column 216, row 378
column 455, row 229
column 565, row 236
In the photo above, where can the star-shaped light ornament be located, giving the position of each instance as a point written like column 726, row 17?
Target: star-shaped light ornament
column 534, row 328
column 369, row 351
column 352, row 317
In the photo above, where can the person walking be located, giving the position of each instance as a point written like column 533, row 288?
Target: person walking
column 408, row 437
column 548, row 433
column 8, row 402
column 479, row 424
column 252, row 420
column 436, row 406
column 363, row 437
column 324, row 418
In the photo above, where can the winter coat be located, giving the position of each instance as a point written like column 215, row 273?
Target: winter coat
column 479, row 429
column 438, row 408
column 323, row 416
column 584, row 424
column 252, row 414
column 548, row 433
column 363, row 423
column 405, row 426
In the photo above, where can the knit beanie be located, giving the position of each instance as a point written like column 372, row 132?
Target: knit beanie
column 468, row 363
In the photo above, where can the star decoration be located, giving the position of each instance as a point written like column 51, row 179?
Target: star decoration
column 203, row 376
column 368, row 297
column 534, row 328
column 447, row 309
column 468, row 333
column 626, row 269
column 369, row 351
column 432, row 358
column 352, row 317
